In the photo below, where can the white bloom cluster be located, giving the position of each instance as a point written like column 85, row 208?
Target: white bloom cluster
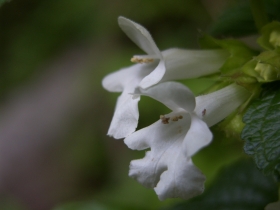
column 177, row 136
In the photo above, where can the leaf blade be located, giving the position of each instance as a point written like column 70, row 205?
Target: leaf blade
column 262, row 130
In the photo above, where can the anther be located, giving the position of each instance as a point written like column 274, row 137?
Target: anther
column 141, row 60
column 175, row 118
column 164, row 120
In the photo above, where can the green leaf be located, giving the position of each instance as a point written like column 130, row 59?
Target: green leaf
column 239, row 186
column 262, row 130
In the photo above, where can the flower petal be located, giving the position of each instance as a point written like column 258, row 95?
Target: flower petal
column 174, row 95
column 139, row 35
column 165, row 167
column 197, row 137
column 181, row 180
column 216, row 106
column 126, row 78
column 181, row 64
column 154, row 77
column 159, row 137
column 159, row 133
column 126, row 116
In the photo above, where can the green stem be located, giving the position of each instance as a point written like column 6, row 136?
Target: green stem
column 259, row 14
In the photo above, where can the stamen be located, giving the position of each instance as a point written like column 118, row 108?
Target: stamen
column 176, row 118
column 164, row 119
column 141, row 60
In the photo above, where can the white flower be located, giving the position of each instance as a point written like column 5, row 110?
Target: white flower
column 177, row 136
column 151, row 69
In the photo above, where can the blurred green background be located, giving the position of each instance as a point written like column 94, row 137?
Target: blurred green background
column 54, row 113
